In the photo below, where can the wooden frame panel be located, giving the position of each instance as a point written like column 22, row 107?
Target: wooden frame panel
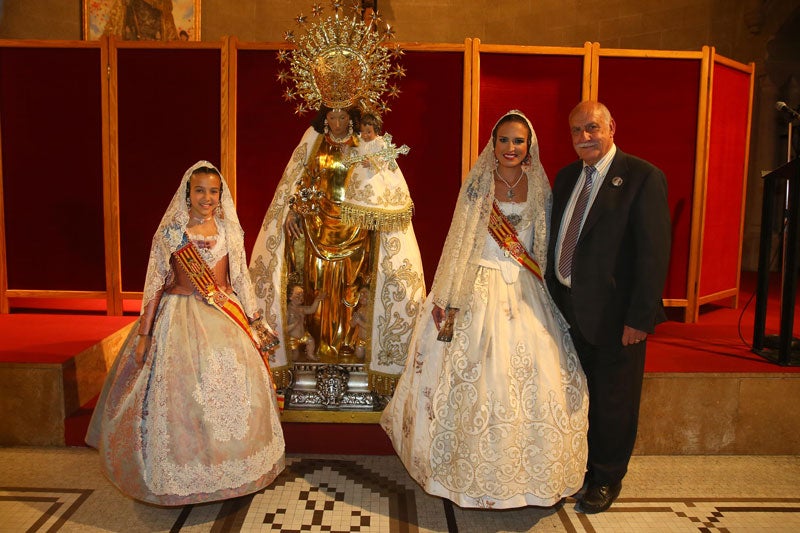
column 55, row 112
column 405, row 123
column 645, row 89
column 729, row 122
column 4, row 308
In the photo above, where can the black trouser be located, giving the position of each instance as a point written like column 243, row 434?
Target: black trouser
column 614, row 375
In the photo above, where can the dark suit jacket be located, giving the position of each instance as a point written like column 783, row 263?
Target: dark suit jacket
column 622, row 255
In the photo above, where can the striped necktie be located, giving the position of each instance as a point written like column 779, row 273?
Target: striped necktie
column 574, row 229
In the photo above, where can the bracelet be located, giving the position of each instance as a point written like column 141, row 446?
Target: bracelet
column 144, row 335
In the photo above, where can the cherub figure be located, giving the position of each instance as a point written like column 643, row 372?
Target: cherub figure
column 296, row 313
column 371, row 142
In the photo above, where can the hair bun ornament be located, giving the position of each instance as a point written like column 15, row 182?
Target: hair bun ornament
column 340, row 61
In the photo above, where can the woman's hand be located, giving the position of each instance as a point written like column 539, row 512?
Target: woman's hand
column 438, row 315
column 142, row 347
column 293, row 226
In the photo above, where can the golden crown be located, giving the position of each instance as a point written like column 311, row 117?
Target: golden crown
column 340, row 61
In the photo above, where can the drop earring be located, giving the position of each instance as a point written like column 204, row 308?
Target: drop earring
column 325, row 126
column 350, row 128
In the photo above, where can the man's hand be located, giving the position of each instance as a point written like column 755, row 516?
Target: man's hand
column 632, row 336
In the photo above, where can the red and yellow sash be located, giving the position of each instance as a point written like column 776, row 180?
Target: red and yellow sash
column 203, row 279
column 506, row 236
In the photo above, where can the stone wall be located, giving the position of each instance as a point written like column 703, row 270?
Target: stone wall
column 649, row 24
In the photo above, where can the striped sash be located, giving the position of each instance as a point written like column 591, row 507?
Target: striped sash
column 203, row 279
column 506, row 236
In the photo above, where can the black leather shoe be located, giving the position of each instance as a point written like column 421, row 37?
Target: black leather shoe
column 583, row 488
column 598, row 498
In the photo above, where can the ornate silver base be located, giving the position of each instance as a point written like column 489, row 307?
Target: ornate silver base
column 327, row 386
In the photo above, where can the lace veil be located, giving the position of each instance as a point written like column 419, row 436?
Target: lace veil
column 171, row 235
column 458, row 266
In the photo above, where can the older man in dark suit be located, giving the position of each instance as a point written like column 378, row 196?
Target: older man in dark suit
column 608, row 257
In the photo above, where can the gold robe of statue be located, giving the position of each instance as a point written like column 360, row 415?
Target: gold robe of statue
column 337, row 255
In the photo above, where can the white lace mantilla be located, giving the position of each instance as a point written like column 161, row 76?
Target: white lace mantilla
column 171, row 234
column 464, row 245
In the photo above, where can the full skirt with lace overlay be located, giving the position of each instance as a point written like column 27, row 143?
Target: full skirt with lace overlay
column 497, row 418
column 198, row 421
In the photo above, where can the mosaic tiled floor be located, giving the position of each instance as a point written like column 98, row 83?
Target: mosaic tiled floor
column 62, row 489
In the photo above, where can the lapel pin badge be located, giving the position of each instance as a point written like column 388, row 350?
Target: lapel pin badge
column 616, row 181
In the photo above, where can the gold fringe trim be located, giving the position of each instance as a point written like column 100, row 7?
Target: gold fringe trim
column 383, row 384
column 282, row 377
column 377, row 219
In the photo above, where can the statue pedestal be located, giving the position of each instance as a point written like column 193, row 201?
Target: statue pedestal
column 331, row 387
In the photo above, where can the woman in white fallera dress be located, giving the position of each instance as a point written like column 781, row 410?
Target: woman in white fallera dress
column 497, row 416
column 187, row 413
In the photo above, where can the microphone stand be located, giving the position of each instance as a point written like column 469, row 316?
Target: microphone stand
column 784, row 348
column 788, row 272
column 788, row 345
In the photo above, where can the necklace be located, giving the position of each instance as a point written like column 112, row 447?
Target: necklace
column 199, row 220
column 338, row 142
column 510, row 193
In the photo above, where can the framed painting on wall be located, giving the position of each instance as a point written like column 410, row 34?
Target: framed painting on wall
column 142, row 20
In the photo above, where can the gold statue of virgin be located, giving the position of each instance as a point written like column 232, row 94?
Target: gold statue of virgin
column 336, row 255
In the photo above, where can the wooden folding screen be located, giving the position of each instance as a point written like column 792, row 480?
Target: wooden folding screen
column 656, row 100
column 94, row 137
column 729, row 115
column 52, row 112
column 661, row 103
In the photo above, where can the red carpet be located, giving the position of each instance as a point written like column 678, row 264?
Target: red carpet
column 721, row 340
column 711, row 345
column 53, row 338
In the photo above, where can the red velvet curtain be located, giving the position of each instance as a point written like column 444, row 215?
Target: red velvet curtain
column 267, row 131
column 655, row 104
column 730, row 105
column 50, row 119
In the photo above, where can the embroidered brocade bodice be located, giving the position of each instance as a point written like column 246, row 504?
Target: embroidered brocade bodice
column 520, row 214
column 214, row 251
